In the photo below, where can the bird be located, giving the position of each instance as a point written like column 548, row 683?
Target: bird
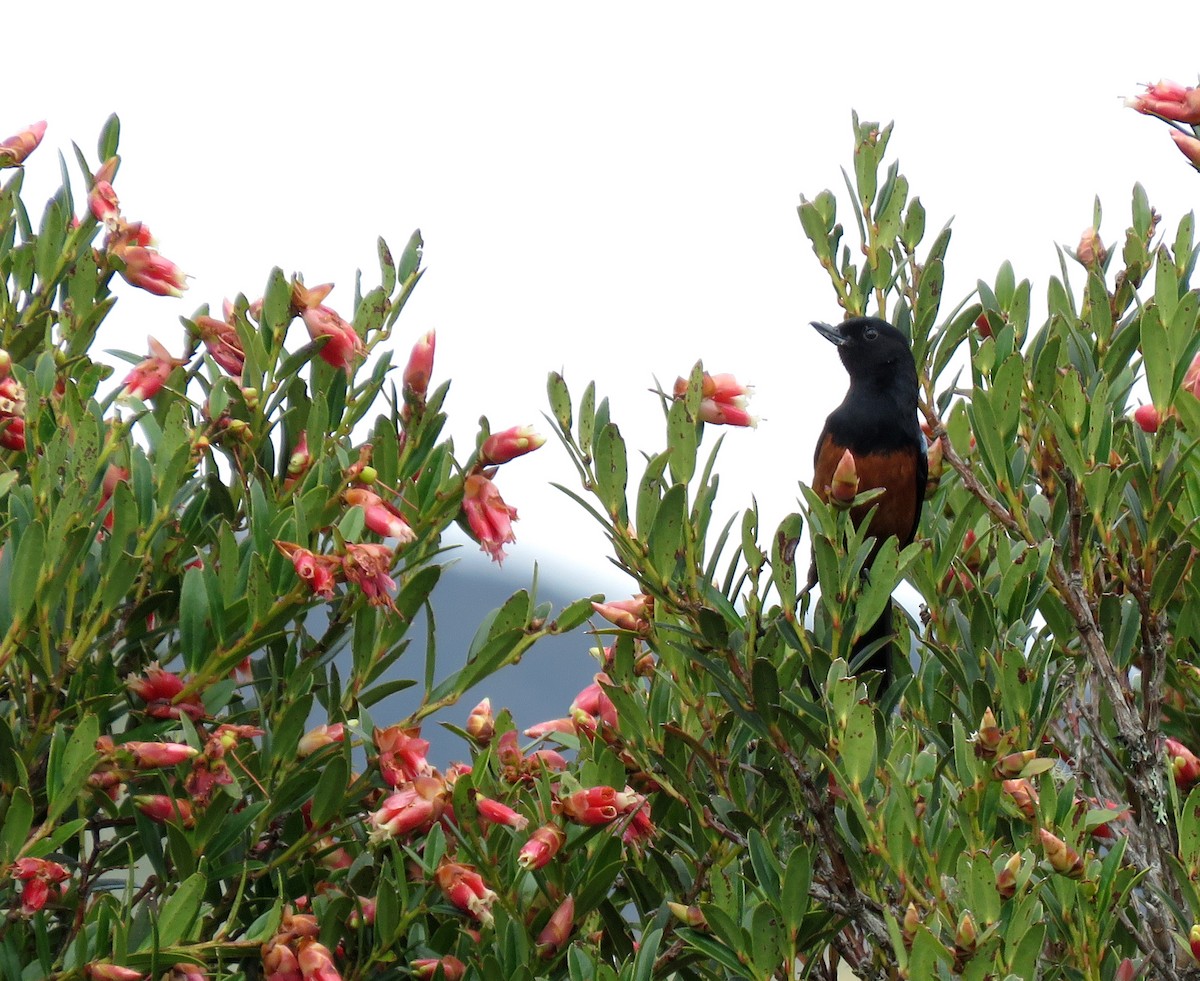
column 877, row 423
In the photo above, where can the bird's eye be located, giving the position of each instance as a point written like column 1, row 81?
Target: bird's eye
column 870, row 333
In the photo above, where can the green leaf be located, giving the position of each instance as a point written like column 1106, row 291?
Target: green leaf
column 180, row 911
column 18, row 819
column 682, row 438
column 331, row 790
column 193, row 619
column 69, row 773
column 110, row 137
column 667, row 542
column 26, row 571
column 560, row 401
column 793, row 897
column 858, row 743
column 611, row 470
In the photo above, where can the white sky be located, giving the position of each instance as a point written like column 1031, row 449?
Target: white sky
column 607, row 190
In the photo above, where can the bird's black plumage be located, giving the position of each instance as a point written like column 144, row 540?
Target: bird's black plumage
column 877, row 423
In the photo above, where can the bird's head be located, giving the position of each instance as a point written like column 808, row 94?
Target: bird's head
column 870, row 347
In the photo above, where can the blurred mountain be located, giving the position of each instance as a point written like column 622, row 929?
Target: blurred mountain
column 541, row 686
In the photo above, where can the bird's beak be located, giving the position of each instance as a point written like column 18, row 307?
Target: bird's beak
column 832, row 334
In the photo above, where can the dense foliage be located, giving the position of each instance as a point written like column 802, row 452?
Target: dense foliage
column 193, row 782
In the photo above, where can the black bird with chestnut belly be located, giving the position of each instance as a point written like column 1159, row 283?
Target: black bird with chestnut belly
column 877, row 423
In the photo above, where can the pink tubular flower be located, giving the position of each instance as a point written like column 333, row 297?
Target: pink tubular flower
column 160, row 691
column 723, row 400
column 99, row 971
column 493, row 812
column 149, row 376
column 415, row 807
column 366, row 565
column 15, row 149
column 541, row 847
column 148, row 270
column 420, row 367
column 426, row 967
column 320, row 737
column 1191, row 378
column 12, row 407
column 510, row 444
column 465, row 888
column 638, row 828
column 316, row 961
column 148, row 756
column 319, row 571
column 381, row 517
column 160, row 808
column 344, row 345
column 279, row 963
column 186, row 972
column 401, row 754
column 42, row 879
column 489, row 518
column 1189, row 146
column 631, row 614
column 593, row 702
column 221, row 340
column 1170, row 100
column 103, row 202
column 596, row 805
column 551, row 727
column 558, row 928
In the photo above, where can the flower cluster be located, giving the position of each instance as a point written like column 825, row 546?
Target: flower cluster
column 41, row 882
column 723, row 400
column 487, row 516
column 12, row 407
column 1179, row 105
column 128, row 245
column 295, row 954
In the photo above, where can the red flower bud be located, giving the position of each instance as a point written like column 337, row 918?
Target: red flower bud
column 541, row 847
column 15, row 149
column 160, row 808
column 1148, row 418
column 464, row 887
column 1061, row 856
column 1185, row 766
column 426, row 967
column 510, row 444
column 557, row 930
column 150, row 755
column 481, row 725
column 111, row 972
column 493, row 812
column 844, row 487
column 321, row 736
column 420, row 367
column 631, row 614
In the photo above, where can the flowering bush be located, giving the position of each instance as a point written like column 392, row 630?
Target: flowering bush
column 194, row 788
